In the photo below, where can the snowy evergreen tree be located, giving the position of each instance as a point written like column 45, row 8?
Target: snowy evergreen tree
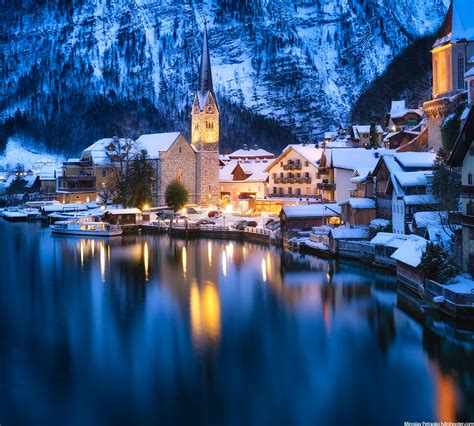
column 437, row 264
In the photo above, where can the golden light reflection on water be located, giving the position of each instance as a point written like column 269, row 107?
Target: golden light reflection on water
column 264, row 270
column 145, row 259
column 446, row 396
column 102, row 261
column 209, row 253
column 82, row 253
column 93, row 248
column 205, row 314
column 224, row 263
column 184, row 258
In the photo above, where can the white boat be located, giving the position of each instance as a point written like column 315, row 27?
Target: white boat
column 85, row 228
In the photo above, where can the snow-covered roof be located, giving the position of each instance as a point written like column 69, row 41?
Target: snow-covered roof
column 469, row 73
column 378, row 222
column 388, row 239
column 422, row 160
column 462, row 284
column 349, row 233
column 420, row 178
column 411, row 251
column 156, row 143
column 462, row 23
column 64, row 207
column 363, row 128
column 48, row 172
column 425, row 219
column 354, row 158
column 98, row 150
column 308, row 152
column 254, row 168
column 330, row 135
column 311, row 210
column 419, row 200
column 117, row 211
column 360, row 203
column 361, row 174
column 399, row 110
column 250, row 153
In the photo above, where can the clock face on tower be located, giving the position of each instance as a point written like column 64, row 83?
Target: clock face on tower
column 210, row 109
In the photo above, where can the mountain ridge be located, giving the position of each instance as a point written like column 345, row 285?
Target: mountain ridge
column 295, row 65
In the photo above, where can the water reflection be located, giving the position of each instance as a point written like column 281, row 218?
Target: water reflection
column 211, row 332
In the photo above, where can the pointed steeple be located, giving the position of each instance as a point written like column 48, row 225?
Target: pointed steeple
column 205, row 77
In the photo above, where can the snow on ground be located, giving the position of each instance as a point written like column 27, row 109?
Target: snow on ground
column 461, row 284
column 18, row 151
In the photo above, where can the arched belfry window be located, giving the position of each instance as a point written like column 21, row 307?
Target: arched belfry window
column 461, row 71
column 435, row 76
column 469, row 179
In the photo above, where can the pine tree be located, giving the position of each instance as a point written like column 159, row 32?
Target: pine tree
column 437, row 264
column 374, row 137
column 176, row 195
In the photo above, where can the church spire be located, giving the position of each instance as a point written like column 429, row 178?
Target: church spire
column 205, row 78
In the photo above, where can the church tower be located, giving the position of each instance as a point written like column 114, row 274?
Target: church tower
column 205, row 132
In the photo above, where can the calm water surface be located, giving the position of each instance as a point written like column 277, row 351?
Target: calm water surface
column 149, row 330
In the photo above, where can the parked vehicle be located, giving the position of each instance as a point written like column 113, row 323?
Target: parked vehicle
column 191, row 210
column 213, row 213
column 205, row 222
column 240, row 225
column 252, row 224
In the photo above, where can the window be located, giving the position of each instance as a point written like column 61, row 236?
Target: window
column 104, row 173
column 461, row 71
column 274, row 190
column 306, row 163
column 179, row 175
column 298, row 192
column 469, row 179
column 290, row 190
column 180, row 150
column 274, row 175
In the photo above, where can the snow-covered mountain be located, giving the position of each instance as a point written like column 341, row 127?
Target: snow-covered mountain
column 302, row 63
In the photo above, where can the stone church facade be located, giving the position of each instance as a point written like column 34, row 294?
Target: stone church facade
column 195, row 164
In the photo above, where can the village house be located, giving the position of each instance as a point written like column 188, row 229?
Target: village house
column 401, row 117
column 408, row 260
column 361, row 135
column 357, row 212
column 242, row 182
column 337, row 167
column 451, row 58
column 403, row 186
column 396, row 139
column 463, row 156
column 304, row 217
column 295, row 173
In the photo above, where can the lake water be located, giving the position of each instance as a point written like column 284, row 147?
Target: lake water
column 149, row 330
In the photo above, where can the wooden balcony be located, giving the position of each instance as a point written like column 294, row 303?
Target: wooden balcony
column 326, row 186
column 76, row 183
column 292, row 166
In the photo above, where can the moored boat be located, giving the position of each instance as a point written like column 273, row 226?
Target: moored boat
column 85, row 228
